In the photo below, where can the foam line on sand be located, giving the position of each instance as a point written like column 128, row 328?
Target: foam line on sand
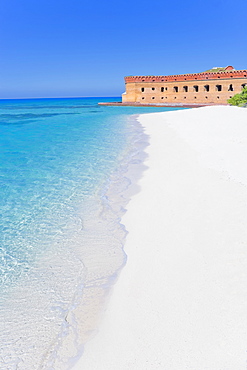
column 181, row 300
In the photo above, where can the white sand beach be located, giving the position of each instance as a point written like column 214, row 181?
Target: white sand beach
column 180, row 302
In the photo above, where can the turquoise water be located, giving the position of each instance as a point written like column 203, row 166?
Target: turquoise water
column 63, row 172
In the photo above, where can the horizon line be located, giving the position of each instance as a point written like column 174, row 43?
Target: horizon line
column 61, row 97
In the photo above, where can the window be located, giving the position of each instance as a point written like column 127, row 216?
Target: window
column 218, row 87
column 153, row 88
column 175, row 89
column 185, row 88
column 162, row 89
column 142, row 89
column 166, row 88
column 243, row 86
column 153, row 97
column 230, row 88
column 196, row 88
column 143, row 97
column 206, row 88
column 162, row 97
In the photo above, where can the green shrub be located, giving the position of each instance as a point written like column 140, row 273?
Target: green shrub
column 239, row 99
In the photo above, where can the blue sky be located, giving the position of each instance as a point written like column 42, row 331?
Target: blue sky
column 52, row 48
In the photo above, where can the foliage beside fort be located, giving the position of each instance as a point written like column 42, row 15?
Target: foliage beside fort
column 239, row 100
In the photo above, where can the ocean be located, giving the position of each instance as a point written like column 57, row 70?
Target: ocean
column 66, row 170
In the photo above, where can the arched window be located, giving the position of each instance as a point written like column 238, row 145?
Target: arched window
column 153, row 88
column 243, row 86
column 162, row 89
column 142, row 89
column 175, row 89
column 185, row 88
column 206, row 88
column 218, row 87
column 196, row 88
column 230, row 88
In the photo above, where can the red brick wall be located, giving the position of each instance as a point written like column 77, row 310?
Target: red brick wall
column 189, row 77
column 161, row 89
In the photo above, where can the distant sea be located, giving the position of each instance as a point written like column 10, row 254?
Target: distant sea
column 65, row 170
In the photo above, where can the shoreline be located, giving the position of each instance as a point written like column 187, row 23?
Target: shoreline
column 167, row 105
column 180, row 301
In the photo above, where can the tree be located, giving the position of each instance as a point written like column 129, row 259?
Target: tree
column 240, row 99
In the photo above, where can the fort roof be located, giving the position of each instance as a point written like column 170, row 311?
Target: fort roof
column 221, row 69
column 211, row 74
